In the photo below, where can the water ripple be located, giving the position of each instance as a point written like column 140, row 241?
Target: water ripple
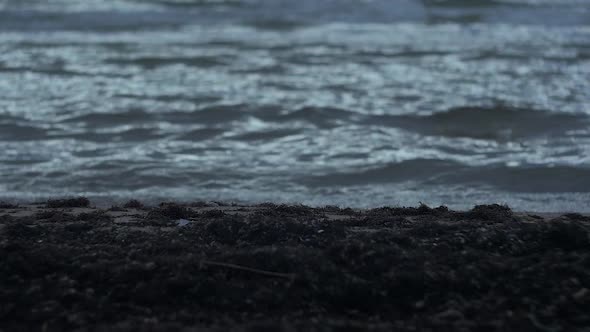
column 316, row 101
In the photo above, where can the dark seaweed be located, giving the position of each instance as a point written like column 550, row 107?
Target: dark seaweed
column 68, row 202
column 133, row 204
column 291, row 268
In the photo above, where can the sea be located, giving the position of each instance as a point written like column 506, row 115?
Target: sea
column 360, row 103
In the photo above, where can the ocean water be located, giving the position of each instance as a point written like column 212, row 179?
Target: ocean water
column 349, row 102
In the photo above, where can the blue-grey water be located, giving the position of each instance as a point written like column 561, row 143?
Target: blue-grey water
column 350, row 102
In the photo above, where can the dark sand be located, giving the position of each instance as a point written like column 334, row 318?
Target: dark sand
column 67, row 266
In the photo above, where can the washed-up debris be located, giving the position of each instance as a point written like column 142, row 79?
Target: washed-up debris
column 184, row 267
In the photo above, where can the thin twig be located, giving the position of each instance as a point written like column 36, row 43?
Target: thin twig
column 289, row 276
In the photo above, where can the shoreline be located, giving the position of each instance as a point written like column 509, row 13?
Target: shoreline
column 208, row 266
column 23, row 207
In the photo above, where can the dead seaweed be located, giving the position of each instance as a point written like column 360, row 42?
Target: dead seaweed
column 212, row 214
column 55, row 216
column 170, row 211
column 440, row 270
column 6, row 205
column 421, row 210
column 133, row 204
column 19, row 230
column 95, row 216
column 491, row 212
column 569, row 235
column 577, row 217
column 81, row 202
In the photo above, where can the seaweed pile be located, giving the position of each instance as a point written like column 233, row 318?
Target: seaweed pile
column 68, row 266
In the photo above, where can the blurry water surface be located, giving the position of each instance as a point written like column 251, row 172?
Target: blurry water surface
column 349, row 102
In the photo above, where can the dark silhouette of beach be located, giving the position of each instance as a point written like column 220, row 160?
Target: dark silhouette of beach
column 215, row 267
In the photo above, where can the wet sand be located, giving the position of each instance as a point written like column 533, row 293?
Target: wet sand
column 67, row 265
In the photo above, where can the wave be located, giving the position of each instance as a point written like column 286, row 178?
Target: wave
column 200, row 134
column 89, row 20
column 275, row 24
column 192, row 3
column 130, row 116
column 322, row 117
column 265, row 135
column 155, row 62
column 205, row 115
column 493, row 123
column 410, row 170
column 208, row 115
column 20, row 132
column 275, row 15
column 129, row 135
column 461, row 3
column 523, row 179
column 502, row 124
column 58, row 72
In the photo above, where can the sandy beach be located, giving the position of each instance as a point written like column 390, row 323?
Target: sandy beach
column 67, row 265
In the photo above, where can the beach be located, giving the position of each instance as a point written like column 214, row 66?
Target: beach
column 140, row 140
column 210, row 266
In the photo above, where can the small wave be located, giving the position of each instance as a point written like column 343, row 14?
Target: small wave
column 265, row 135
column 22, row 161
column 50, row 72
column 402, row 54
column 495, row 3
column 496, row 123
column 524, row 179
column 92, row 153
column 351, row 155
column 155, row 62
column 491, row 123
column 193, row 3
column 461, row 3
column 278, row 69
column 206, row 116
column 20, row 132
column 411, row 170
column 275, row 24
column 498, row 55
column 146, row 177
column 130, row 135
column 200, row 134
column 131, row 116
column 322, row 117
column 97, row 21
column 171, row 98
